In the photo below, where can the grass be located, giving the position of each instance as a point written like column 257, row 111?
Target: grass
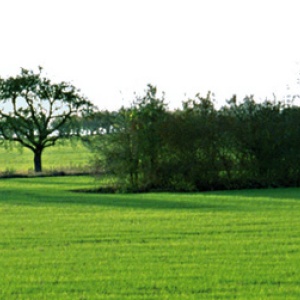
column 65, row 156
column 56, row 244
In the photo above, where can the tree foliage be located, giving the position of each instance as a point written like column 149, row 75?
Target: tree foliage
column 132, row 151
column 199, row 147
column 33, row 110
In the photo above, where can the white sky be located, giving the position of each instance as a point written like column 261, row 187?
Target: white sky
column 181, row 46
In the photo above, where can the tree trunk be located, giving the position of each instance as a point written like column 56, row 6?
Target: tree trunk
column 38, row 161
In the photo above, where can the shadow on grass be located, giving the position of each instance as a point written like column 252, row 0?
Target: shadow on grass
column 157, row 201
column 141, row 201
column 271, row 193
column 37, row 192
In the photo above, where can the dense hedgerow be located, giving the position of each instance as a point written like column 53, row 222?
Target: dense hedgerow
column 241, row 145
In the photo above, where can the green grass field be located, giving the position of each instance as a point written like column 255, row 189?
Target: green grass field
column 57, row 244
column 62, row 157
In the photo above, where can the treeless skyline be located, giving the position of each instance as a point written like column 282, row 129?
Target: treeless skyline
column 111, row 49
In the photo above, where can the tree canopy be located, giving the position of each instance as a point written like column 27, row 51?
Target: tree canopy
column 33, row 109
column 240, row 145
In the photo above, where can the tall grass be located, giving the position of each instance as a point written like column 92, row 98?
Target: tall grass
column 57, row 244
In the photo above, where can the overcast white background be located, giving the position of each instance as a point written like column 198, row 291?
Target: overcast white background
column 111, row 49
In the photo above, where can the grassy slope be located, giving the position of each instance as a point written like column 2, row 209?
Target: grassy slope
column 64, row 156
column 55, row 244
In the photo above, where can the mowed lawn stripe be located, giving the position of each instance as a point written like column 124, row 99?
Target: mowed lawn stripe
column 57, row 244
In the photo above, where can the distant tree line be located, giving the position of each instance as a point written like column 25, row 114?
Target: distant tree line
column 199, row 147
column 149, row 147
